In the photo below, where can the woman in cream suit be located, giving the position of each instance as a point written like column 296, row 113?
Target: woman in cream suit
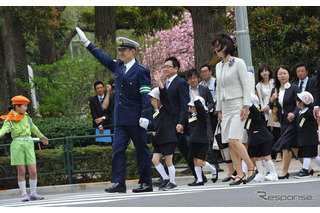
column 233, row 102
column 263, row 91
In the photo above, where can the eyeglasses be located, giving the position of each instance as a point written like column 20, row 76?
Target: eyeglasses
column 166, row 67
column 283, row 73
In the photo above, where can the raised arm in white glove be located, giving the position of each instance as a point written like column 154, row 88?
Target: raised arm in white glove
column 82, row 36
column 143, row 122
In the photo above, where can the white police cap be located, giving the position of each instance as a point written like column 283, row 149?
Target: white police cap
column 125, row 43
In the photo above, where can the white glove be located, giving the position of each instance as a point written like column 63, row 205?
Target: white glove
column 143, row 122
column 81, row 34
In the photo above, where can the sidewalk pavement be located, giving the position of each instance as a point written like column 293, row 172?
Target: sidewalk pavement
column 295, row 166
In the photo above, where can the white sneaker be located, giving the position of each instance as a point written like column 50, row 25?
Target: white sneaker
column 259, row 177
column 272, row 177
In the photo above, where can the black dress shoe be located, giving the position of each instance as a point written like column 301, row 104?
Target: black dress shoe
column 195, row 183
column 232, row 177
column 219, row 169
column 238, row 182
column 143, row 187
column 283, row 177
column 204, row 178
column 216, row 178
column 117, row 187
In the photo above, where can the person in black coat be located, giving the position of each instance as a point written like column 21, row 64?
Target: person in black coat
column 99, row 114
column 307, row 133
column 259, row 141
column 197, row 128
column 283, row 95
column 165, row 138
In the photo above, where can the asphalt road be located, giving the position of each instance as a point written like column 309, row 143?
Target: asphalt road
column 282, row 193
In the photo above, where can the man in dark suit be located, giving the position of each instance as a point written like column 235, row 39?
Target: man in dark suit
column 304, row 82
column 99, row 114
column 178, row 93
column 132, row 112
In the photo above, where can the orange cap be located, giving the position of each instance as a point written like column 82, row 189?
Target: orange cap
column 19, row 99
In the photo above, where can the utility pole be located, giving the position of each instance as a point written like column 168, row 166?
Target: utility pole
column 243, row 41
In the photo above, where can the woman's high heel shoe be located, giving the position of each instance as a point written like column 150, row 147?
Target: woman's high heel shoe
column 254, row 172
column 311, row 172
column 238, row 182
column 284, row 177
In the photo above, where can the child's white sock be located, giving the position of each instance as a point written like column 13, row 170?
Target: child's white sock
column 306, row 163
column 271, row 166
column 23, row 187
column 211, row 169
column 317, row 160
column 172, row 174
column 33, row 186
column 259, row 167
column 198, row 171
column 162, row 172
column 266, row 165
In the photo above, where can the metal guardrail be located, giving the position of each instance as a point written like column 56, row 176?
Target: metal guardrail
column 68, row 158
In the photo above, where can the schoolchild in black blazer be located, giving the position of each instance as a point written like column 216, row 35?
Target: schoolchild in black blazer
column 165, row 138
column 307, row 133
column 259, row 142
column 197, row 128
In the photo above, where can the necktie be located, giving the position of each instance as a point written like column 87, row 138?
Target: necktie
column 101, row 101
column 124, row 70
column 301, row 83
column 167, row 83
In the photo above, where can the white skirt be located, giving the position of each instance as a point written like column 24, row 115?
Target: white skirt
column 231, row 126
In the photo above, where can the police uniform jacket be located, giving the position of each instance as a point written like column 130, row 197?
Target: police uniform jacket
column 307, row 128
column 257, row 130
column 198, row 128
column 131, row 90
column 163, row 122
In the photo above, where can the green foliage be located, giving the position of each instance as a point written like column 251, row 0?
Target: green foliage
column 1, row 21
column 142, row 20
column 285, row 35
column 84, row 158
column 62, row 127
column 147, row 19
column 65, row 87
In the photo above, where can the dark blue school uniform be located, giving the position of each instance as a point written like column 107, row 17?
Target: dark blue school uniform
column 165, row 138
column 307, row 134
column 259, row 137
column 197, row 129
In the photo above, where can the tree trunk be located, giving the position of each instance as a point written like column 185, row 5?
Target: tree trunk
column 204, row 27
column 46, row 40
column 105, row 28
column 13, row 63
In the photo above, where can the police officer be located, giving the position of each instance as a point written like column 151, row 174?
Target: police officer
column 132, row 111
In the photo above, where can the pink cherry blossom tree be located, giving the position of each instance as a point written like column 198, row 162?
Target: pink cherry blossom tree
column 177, row 41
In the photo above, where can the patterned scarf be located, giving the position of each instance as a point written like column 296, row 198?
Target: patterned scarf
column 12, row 117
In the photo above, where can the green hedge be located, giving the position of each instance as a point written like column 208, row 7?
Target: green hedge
column 51, row 160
